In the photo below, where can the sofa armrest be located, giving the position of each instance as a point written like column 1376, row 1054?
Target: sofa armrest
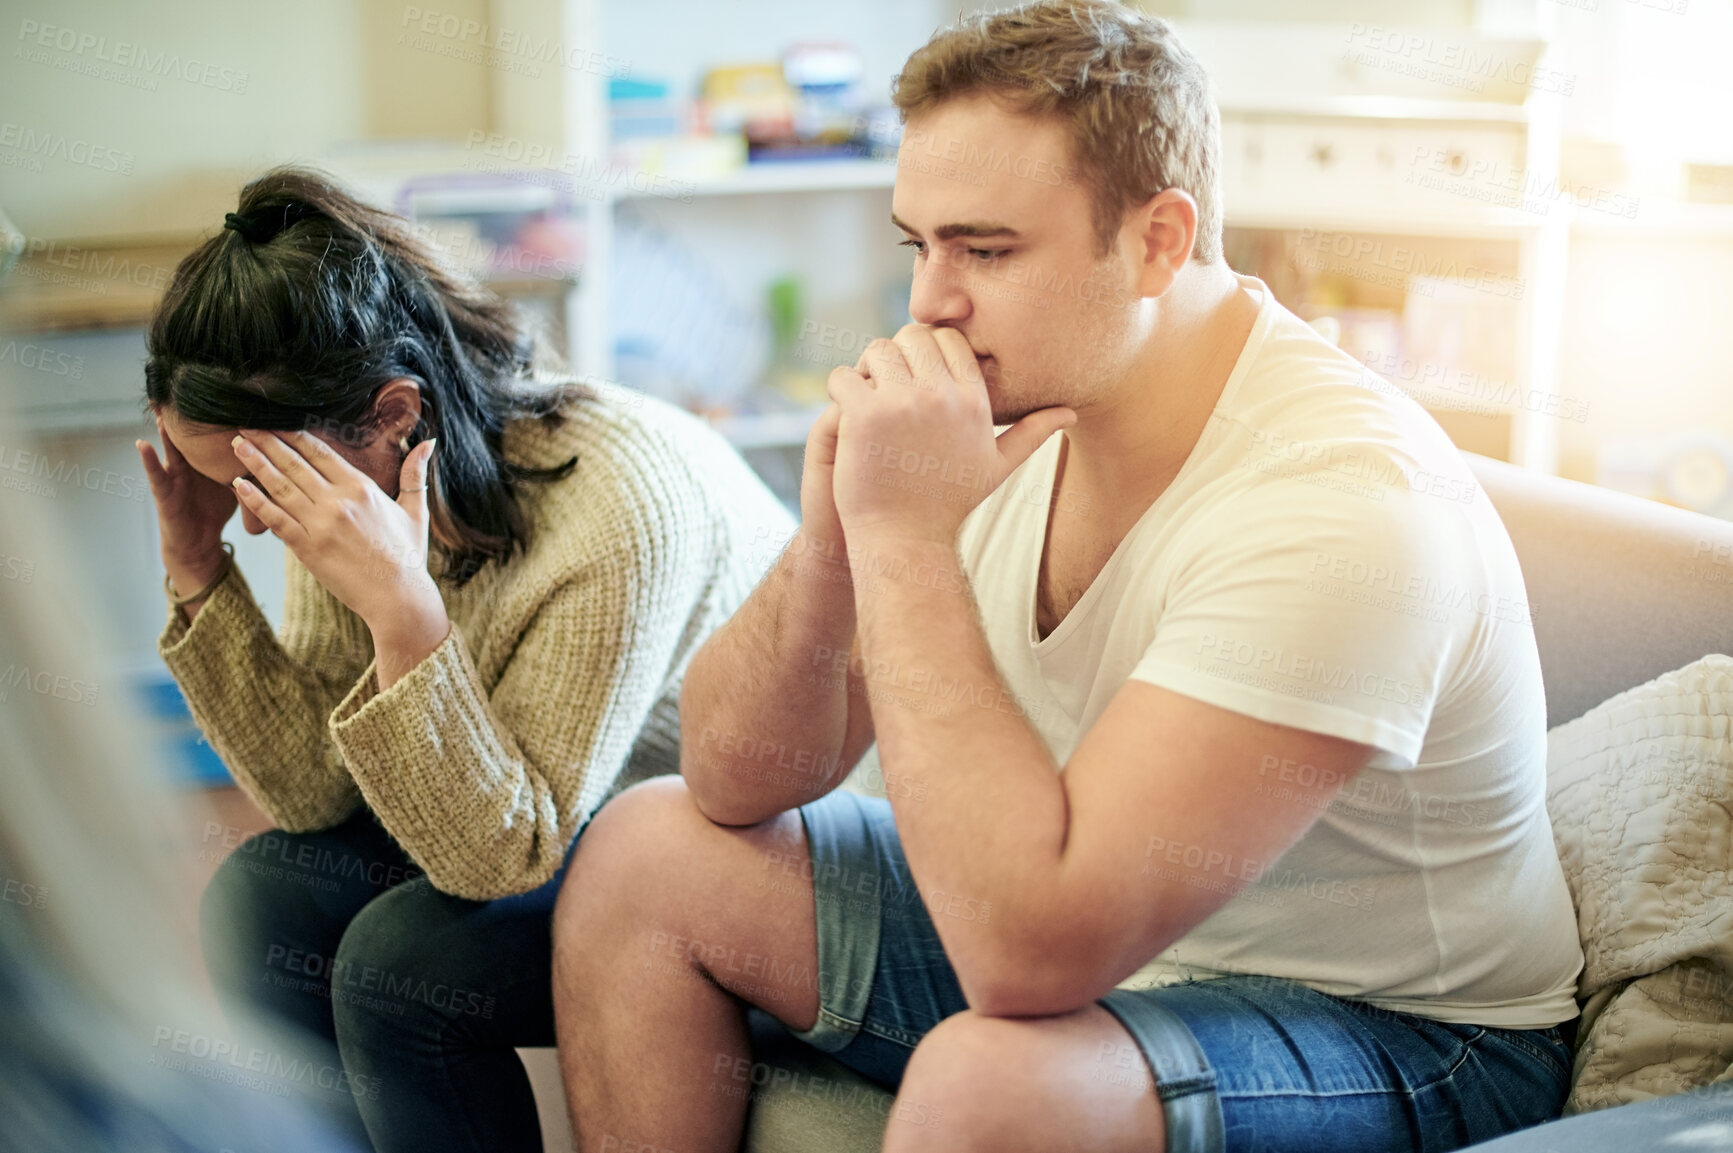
column 1621, row 589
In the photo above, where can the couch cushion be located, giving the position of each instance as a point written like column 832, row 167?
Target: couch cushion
column 803, row 1100
column 799, row 1100
column 1640, row 790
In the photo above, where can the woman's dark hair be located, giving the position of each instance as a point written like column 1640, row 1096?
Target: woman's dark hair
column 309, row 301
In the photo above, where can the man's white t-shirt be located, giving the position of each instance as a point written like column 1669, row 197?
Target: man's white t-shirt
column 1324, row 560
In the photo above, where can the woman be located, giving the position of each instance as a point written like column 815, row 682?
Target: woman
column 436, row 721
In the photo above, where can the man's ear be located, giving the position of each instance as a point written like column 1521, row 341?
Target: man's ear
column 396, row 411
column 1166, row 229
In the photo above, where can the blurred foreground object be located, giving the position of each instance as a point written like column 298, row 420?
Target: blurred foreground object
column 106, row 1040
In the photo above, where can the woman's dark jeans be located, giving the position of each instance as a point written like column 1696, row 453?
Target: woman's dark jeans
column 418, row 997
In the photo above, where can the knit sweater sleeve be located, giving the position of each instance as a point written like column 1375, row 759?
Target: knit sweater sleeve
column 485, row 790
column 262, row 700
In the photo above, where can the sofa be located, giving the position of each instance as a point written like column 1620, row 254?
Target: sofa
column 1621, row 590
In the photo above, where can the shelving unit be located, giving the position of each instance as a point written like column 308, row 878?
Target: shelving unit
column 1403, row 167
column 1319, row 142
column 572, row 117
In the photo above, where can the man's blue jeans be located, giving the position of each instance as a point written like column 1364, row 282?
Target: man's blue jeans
column 1242, row 1064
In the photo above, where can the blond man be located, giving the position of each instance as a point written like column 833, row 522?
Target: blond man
column 1208, row 706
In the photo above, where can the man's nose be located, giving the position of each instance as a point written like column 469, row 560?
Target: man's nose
column 939, row 294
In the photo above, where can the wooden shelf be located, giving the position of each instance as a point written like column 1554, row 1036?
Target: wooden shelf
column 73, row 286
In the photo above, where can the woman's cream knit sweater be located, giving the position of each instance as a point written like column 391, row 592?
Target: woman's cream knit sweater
column 558, row 685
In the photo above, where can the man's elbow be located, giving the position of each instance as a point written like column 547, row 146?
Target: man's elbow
column 719, row 804
column 719, row 811
column 1007, row 982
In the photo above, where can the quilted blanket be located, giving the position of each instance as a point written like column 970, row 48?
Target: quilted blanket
column 1640, row 791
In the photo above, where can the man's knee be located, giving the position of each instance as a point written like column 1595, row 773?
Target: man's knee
column 965, row 1077
column 995, row 1083
column 654, row 873
column 650, row 812
column 634, row 842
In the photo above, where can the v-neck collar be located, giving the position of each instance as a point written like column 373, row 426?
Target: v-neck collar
column 1242, row 364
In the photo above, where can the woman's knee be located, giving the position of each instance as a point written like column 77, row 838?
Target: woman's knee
column 243, row 880
column 387, row 942
column 281, row 901
column 231, row 889
column 412, row 956
column 250, row 902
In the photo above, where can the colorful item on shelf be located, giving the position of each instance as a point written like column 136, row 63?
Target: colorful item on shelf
column 789, row 375
column 657, row 137
column 811, row 106
column 498, row 226
column 626, row 88
column 544, row 245
column 824, row 74
column 829, row 99
column 642, row 108
column 751, row 99
column 881, row 130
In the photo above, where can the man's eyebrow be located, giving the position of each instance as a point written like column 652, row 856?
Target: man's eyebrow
column 973, row 228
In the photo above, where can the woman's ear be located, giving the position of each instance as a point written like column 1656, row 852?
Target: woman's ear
column 396, row 411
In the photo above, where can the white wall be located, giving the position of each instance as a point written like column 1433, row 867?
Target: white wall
column 288, row 82
column 1647, row 320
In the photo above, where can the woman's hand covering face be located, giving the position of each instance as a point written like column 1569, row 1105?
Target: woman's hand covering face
column 369, row 550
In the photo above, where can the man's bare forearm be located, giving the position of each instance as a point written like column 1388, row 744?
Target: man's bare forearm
column 765, row 712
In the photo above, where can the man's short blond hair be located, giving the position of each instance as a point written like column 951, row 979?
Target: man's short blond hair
column 1138, row 105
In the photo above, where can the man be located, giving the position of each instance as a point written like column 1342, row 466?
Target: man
column 1208, row 705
